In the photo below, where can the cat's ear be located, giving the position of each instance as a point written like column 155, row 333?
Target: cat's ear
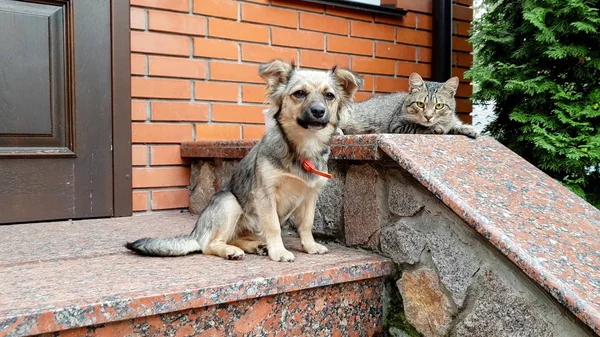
column 451, row 85
column 415, row 82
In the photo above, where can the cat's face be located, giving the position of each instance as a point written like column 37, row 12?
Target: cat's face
column 428, row 103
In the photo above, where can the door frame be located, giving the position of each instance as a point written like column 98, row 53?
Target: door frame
column 121, row 108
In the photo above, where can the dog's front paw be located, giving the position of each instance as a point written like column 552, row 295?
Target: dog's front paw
column 316, row 248
column 281, row 255
column 262, row 250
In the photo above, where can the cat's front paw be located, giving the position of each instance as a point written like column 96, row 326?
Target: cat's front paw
column 438, row 130
column 338, row 132
column 469, row 131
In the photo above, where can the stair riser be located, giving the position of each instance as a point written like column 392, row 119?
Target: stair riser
column 347, row 309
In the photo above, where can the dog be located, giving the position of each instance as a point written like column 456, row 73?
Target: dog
column 280, row 177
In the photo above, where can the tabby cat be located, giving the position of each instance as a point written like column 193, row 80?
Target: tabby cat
column 427, row 107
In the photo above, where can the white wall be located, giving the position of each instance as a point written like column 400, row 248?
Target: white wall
column 370, row 2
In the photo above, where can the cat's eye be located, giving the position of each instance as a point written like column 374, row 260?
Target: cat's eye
column 420, row 105
column 439, row 106
column 329, row 96
column 299, row 94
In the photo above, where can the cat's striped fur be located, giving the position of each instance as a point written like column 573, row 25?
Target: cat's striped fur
column 427, row 107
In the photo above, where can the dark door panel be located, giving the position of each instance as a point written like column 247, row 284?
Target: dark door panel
column 55, row 110
column 33, row 77
column 29, row 198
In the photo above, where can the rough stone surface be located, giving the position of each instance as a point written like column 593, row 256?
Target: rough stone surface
column 207, row 177
column 361, row 207
column 403, row 199
column 329, row 216
column 549, row 232
column 455, row 261
column 402, row 242
column 426, row 306
column 224, row 170
column 202, row 185
column 395, row 332
column 500, row 312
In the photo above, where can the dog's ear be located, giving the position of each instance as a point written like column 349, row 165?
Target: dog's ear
column 275, row 72
column 348, row 80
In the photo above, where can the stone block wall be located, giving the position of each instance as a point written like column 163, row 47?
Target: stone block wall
column 451, row 280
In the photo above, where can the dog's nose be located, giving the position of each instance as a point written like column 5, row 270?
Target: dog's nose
column 317, row 111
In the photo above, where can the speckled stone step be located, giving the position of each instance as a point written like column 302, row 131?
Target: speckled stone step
column 76, row 279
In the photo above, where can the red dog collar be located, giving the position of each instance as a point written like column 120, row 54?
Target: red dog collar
column 310, row 167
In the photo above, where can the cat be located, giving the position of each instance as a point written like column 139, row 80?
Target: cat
column 427, row 108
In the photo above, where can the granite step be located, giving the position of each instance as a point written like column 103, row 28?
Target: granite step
column 75, row 278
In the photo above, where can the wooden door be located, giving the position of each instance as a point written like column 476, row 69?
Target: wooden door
column 56, row 110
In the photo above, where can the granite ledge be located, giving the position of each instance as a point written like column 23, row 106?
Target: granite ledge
column 106, row 283
column 545, row 229
column 364, row 147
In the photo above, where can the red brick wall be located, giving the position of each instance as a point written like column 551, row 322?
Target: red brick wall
column 194, row 70
column 461, row 56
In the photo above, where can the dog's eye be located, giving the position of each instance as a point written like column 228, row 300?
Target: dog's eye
column 439, row 106
column 299, row 94
column 420, row 104
column 329, row 96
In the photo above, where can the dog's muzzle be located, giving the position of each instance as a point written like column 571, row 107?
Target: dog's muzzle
column 314, row 117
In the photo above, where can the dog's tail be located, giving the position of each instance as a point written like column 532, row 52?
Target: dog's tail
column 222, row 208
column 174, row 246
